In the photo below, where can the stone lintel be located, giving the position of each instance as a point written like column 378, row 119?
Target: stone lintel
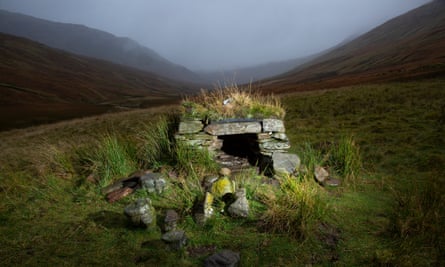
column 233, row 128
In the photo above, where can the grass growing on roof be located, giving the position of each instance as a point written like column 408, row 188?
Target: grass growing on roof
column 232, row 102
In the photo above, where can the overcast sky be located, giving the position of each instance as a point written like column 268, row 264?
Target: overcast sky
column 221, row 34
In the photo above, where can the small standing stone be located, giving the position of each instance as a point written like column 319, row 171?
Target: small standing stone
column 153, row 182
column 203, row 209
column 321, row 174
column 175, row 239
column 222, row 186
column 285, row 163
column 239, row 208
column 224, row 258
column 141, row 212
column 208, row 206
column 170, row 220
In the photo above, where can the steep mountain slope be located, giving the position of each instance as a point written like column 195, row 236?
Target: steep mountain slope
column 39, row 84
column 410, row 46
column 85, row 41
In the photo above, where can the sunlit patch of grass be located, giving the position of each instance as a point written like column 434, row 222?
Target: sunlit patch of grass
column 296, row 209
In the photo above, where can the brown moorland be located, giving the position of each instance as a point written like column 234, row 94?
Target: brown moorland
column 411, row 46
column 39, row 84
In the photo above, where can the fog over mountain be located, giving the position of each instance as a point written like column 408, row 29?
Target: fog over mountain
column 219, row 35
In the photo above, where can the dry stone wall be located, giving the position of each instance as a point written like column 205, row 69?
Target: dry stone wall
column 267, row 139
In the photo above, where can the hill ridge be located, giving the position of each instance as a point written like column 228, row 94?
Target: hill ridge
column 86, row 41
column 409, row 46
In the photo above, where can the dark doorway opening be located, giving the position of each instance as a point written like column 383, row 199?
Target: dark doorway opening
column 242, row 146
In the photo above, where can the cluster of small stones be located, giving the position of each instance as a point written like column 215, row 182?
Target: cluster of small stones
column 142, row 213
column 224, row 189
column 271, row 143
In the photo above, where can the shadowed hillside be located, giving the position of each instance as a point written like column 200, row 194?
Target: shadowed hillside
column 90, row 42
column 41, row 84
column 411, row 46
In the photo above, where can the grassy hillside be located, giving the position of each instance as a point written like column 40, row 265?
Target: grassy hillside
column 390, row 211
column 410, row 46
column 41, row 84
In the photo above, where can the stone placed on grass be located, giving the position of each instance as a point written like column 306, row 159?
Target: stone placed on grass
column 176, row 239
column 222, row 187
column 141, row 213
column 285, row 163
column 119, row 193
column 208, row 206
column 170, row 220
column 203, row 209
column 239, row 208
column 321, row 174
column 224, row 258
column 153, row 182
column 332, row 182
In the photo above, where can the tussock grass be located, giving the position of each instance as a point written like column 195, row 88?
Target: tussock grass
column 232, row 102
column 113, row 158
column 345, row 159
column 296, row 209
column 155, row 142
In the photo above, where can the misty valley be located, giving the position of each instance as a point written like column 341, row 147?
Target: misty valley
column 267, row 139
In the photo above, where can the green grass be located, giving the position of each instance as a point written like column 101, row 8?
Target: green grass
column 384, row 142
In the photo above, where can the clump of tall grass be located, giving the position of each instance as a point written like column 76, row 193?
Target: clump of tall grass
column 112, row 158
column 295, row 209
column 232, row 102
column 342, row 158
column 345, row 159
column 310, row 157
column 156, row 144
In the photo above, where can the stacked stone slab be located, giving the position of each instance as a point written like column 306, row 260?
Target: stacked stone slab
column 270, row 138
